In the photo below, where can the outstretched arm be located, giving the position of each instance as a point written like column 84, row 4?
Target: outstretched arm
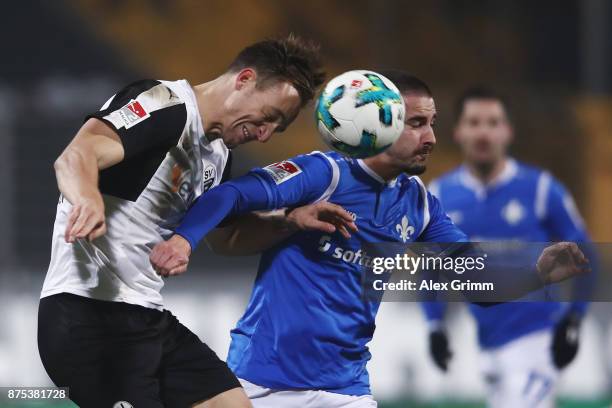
column 511, row 275
column 301, row 180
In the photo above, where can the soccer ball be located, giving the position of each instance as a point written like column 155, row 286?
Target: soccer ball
column 360, row 113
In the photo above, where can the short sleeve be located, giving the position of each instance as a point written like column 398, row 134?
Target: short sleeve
column 297, row 181
column 146, row 115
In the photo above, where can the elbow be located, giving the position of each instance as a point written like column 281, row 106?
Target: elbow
column 229, row 245
column 218, row 248
column 61, row 163
column 221, row 241
column 69, row 156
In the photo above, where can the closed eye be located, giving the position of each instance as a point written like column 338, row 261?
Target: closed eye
column 416, row 122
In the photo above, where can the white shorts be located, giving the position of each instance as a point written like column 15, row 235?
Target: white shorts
column 521, row 373
column 262, row 397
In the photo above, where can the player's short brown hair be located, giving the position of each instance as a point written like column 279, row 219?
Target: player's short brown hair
column 291, row 59
column 406, row 83
column 479, row 92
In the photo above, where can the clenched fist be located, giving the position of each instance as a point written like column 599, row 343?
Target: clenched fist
column 171, row 257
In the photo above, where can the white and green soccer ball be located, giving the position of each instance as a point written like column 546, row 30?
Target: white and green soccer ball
column 360, row 113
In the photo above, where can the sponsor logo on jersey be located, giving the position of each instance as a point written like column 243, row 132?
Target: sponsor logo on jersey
column 122, row 404
column 132, row 114
column 181, row 183
column 177, row 174
column 327, row 245
column 209, row 178
column 283, row 171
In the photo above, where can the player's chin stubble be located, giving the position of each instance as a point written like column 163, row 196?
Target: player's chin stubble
column 415, row 169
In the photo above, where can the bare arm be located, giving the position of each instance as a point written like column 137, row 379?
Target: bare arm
column 95, row 147
column 258, row 231
column 250, row 234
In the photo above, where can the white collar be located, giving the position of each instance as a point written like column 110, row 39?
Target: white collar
column 375, row 175
column 479, row 188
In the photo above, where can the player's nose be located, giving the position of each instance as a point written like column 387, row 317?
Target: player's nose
column 429, row 137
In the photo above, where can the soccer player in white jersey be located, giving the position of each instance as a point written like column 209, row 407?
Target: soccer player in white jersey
column 126, row 180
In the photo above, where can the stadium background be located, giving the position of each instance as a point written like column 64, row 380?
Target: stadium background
column 63, row 58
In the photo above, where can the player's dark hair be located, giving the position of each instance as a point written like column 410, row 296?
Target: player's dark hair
column 478, row 93
column 406, row 82
column 290, row 59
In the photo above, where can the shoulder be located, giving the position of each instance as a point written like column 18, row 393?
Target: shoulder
column 310, row 165
column 418, row 189
column 543, row 180
column 450, row 179
column 141, row 100
column 153, row 90
column 530, row 172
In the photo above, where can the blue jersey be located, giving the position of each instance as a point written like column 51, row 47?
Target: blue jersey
column 306, row 325
column 524, row 203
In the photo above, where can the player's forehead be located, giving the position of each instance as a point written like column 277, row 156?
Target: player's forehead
column 418, row 104
column 483, row 107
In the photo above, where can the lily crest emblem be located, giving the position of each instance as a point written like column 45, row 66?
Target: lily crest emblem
column 404, row 229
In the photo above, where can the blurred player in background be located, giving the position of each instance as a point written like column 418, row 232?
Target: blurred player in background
column 494, row 197
column 302, row 342
column 126, row 181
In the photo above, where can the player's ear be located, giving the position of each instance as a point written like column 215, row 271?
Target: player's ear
column 456, row 136
column 245, row 77
column 509, row 133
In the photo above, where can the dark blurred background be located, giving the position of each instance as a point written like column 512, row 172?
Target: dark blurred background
column 62, row 59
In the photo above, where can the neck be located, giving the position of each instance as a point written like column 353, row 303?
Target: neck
column 384, row 166
column 210, row 103
column 486, row 173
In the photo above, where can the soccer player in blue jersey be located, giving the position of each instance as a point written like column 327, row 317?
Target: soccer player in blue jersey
column 493, row 197
column 302, row 342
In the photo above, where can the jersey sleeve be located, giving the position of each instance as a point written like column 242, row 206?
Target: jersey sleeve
column 145, row 115
column 440, row 227
column 562, row 219
column 293, row 182
column 297, row 181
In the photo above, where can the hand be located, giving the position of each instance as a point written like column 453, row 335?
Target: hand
column 171, row 257
column 561, row 261
column 440, row 349
column 86, row 219
column 565, row 340
column 322, row 216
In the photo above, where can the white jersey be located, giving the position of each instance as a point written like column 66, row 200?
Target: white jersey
column 168, row 164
